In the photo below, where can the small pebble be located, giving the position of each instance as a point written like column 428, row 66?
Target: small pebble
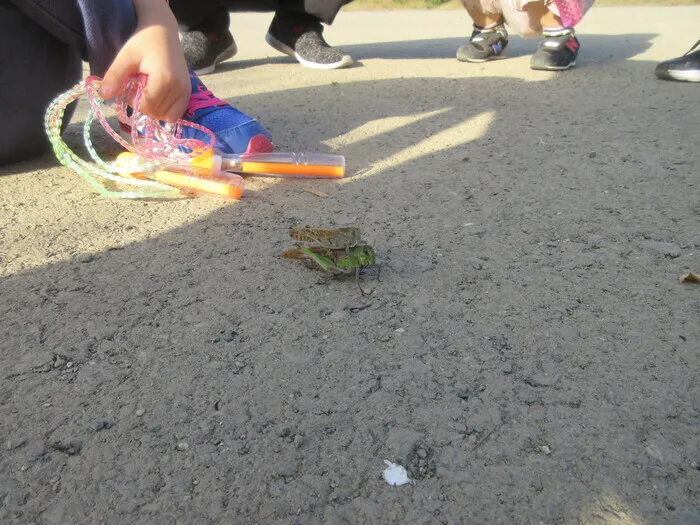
column 11, row 444
column 59, row 362
column 399, row 330
column 422, row 453
column 69, row 364
column 654, row 452
column 542, row 381
column 182, row 446
column 695, row 465
column 459, row 427
column 102, row 425
column 140, row 412
column 507, row 368
column 298, row 441
column 546, row 450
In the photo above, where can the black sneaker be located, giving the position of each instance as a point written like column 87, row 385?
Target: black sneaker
column 557, row 53
column 485, row 44
column 305, row 42
column 683, row 69
column 204, row 51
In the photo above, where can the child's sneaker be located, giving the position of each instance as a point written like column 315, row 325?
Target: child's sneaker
column 234, row 131
column 204, row 52
column 486, row 43
column 683, row 69
column 302, row 38
column 558, row 51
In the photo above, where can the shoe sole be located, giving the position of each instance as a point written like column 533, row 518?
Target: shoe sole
column 482, row 60
column 559, row 68
column 501, row 55
column 683, row 76
column 283, row 48
column 227, row 53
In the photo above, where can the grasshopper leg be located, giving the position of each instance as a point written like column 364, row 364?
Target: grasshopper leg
column 357, row 280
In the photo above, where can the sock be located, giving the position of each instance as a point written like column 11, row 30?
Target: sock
column 557, row 31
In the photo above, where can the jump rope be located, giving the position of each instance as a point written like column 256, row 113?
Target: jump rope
column 159, row 162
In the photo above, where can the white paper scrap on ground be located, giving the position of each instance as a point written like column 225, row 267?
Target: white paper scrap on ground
column 395, row 474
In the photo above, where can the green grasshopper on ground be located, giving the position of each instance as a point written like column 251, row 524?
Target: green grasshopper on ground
column 336, row 251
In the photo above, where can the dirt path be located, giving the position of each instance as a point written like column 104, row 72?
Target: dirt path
column 529, row 354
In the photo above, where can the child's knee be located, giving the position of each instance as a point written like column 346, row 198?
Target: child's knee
column 39, row 68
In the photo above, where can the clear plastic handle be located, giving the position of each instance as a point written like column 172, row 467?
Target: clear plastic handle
column 286, row 164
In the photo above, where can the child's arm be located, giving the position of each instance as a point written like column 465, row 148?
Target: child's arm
column 153, row 50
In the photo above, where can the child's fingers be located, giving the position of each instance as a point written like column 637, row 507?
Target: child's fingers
column 155, row 97
column 122, row 68
column 176, row 103
column 174, row 109
column 165, row 98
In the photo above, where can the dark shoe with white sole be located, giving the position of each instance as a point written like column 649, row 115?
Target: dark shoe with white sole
column 558, row 52
column 302, row 39
column 683, row 69
column 485, row 44
column 203, row 52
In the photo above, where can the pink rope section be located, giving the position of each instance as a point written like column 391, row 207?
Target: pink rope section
column 150, row 138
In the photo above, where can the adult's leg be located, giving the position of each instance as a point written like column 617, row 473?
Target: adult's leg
column 40, row 67
column 323, row 10
column 198, row 14
column 296, row 30
column 94, row 29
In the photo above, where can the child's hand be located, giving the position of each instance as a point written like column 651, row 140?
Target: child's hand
column 153, row 50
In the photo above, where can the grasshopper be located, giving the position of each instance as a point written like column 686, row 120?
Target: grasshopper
column 336, row 251
column 337, row 238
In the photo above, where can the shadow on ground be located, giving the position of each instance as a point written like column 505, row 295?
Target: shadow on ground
column 529, row 353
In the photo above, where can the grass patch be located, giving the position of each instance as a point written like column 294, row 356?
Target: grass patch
column 382, row 5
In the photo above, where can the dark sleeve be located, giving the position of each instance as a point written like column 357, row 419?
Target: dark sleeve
column 108, row 24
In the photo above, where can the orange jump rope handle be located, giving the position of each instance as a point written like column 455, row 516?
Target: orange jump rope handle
column 198, row 179
column 284, row 164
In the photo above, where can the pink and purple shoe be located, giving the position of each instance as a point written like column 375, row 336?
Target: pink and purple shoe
column 235, row 131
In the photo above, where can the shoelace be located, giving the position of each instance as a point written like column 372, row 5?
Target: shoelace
column 202, row 99
column 692, row 48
